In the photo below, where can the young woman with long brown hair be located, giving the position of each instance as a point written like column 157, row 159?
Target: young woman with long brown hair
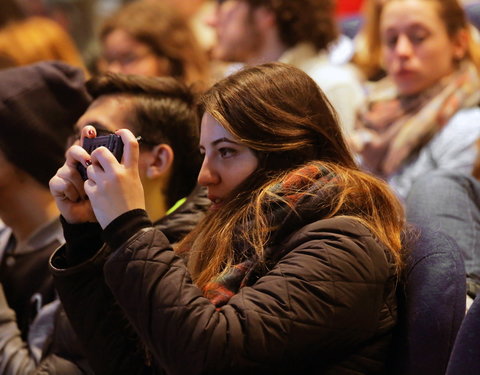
column 293, row 270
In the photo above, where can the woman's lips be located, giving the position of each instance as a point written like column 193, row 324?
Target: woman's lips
column 404, row 73
column 216, row 202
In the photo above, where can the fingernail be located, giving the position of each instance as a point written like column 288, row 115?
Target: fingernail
column 91, row 133
column 88, row 162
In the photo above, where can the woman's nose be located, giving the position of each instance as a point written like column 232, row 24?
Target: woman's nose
column 211, row 19
column 403, row 46
column 207, row 175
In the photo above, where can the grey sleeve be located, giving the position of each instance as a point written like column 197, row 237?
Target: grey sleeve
column 15, row 357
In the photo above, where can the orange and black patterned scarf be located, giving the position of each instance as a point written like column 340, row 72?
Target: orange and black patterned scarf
column 303, row 197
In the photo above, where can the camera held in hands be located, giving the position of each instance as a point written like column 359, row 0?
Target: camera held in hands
column 112, row 142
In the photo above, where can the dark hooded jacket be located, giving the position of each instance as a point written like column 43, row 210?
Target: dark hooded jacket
column 325, row 305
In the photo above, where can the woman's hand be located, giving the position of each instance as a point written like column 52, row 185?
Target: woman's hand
column 115, row 188
column 67, row 186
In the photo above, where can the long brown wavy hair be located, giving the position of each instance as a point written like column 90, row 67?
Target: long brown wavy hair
column 282, row 115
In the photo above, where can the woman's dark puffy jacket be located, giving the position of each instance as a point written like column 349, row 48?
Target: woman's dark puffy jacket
column 327, row 306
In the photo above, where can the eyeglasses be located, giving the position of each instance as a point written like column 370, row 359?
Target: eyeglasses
column 129, row 59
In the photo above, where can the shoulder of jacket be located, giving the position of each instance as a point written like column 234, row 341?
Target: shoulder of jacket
column 341, row 225
column 339, row 233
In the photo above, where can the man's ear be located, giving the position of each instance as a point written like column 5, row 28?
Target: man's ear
column 161, row 161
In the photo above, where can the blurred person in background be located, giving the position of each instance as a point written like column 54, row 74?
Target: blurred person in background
column 196, row 12
column 39, row 105
column 150, row 38
column 294, row 32
column 424, row 115
column 28, row 39
column 368, row 47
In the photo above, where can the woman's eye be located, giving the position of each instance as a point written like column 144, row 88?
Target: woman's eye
column 418, row 38
column 226, row 152
column 391, row 41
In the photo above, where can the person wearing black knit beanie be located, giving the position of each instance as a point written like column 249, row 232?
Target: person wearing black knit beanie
column 39, row 106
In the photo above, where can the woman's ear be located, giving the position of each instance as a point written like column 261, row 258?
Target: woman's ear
column 460, row 45
column 161, row 161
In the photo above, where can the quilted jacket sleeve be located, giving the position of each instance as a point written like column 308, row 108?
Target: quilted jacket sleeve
column 324, row 296
column 108, row 340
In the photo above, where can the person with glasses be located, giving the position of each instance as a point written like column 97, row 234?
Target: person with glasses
column 292, row 271
column 150, row 38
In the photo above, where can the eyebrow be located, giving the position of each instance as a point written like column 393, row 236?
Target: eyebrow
column 223, row 139
column 220, row 140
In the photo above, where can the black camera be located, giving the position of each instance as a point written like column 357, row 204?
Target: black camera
column 112, row 142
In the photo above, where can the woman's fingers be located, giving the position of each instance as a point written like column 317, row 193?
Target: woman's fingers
column 77, row 154
column 64, row 190
column 130, row 148
column 105, row 159
column 88, row 131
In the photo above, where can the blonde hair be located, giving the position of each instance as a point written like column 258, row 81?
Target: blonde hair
column 368, row 56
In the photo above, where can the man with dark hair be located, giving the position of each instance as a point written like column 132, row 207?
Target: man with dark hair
column 161, row 111
column 163, row 114
column 295, row 32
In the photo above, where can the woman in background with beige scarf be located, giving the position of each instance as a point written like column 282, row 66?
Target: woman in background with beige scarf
column 424, row 115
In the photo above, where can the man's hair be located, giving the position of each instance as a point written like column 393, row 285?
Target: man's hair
column 163, row 111
column 298, row 21
column 10, row 11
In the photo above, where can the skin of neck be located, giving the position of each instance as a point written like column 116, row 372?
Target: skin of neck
column 271, row 48
column 26, row 206
column 156, row 202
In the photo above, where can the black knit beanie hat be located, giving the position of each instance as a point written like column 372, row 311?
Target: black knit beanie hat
column 39, row 105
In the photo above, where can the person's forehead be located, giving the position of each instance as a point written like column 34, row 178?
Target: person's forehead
column 108, row 111
column 212, row 130
column 408, row 12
